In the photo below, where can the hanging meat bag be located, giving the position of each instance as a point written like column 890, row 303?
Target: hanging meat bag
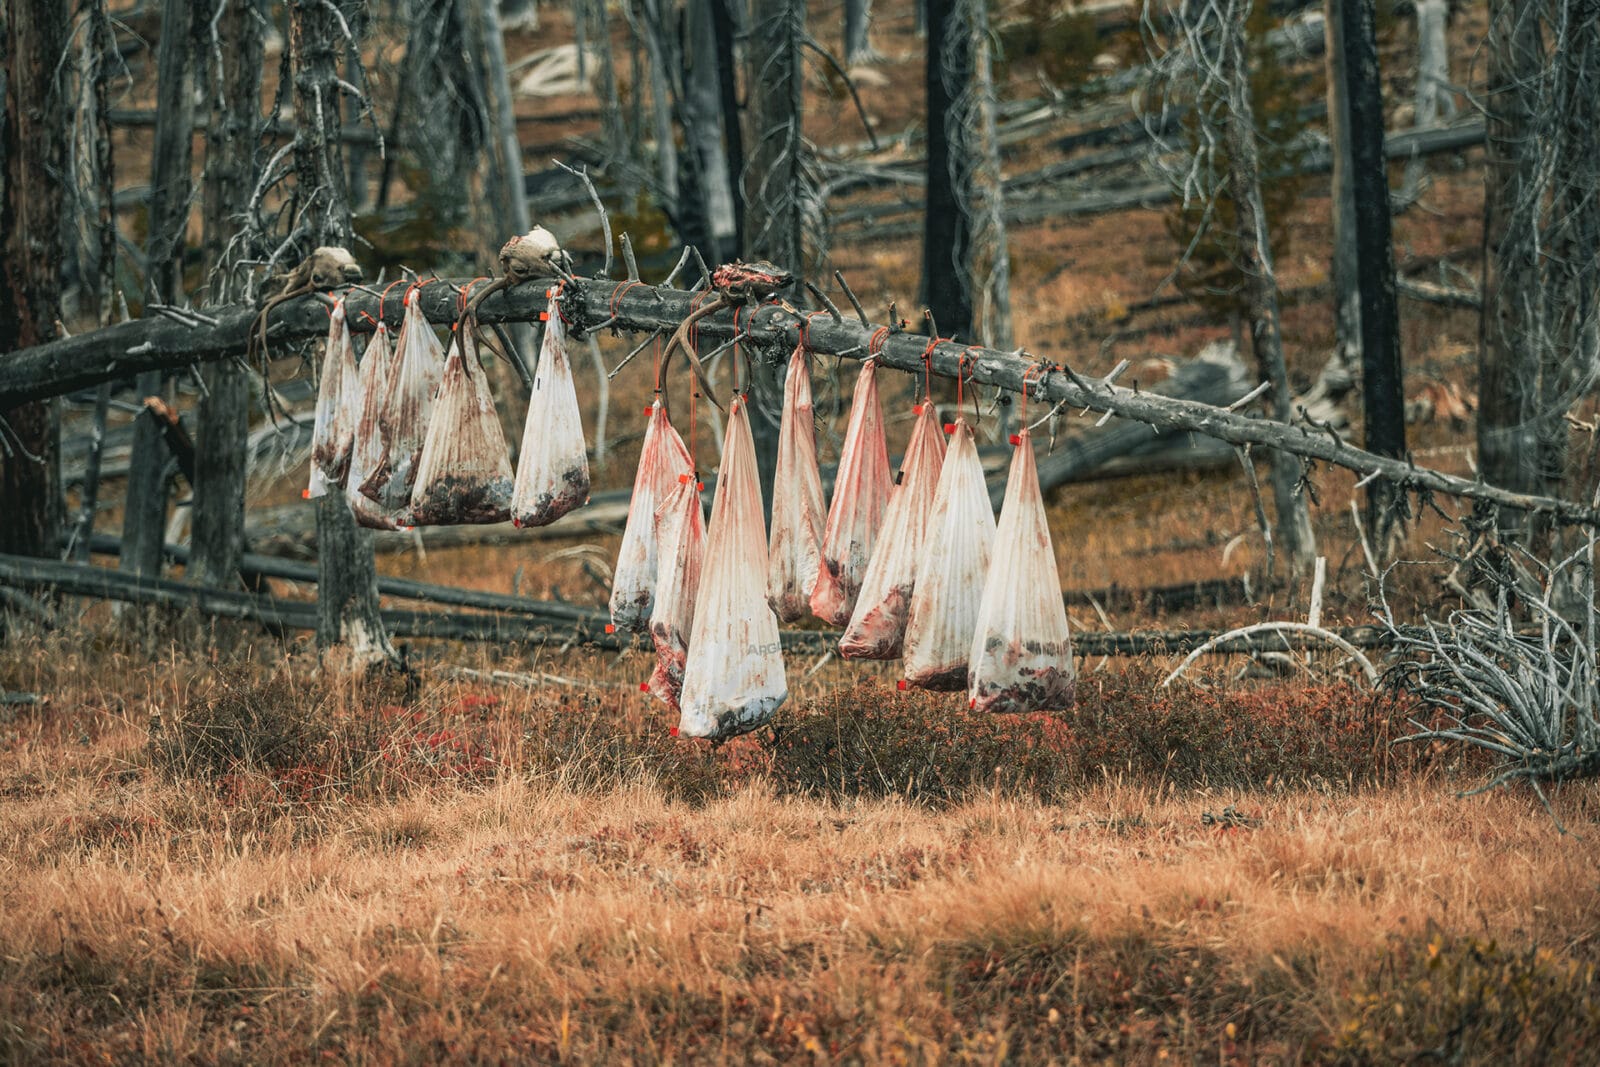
column 860, row 493
column 333, row 429
column 878, row 625
column 1021, row 658
column 662, row 459
column 951, row 573
column 464, row 472
column 366, row 453
column 680, row 541
column 795, row 550
column 553, row 467
column 733, row 680
column 406, row 412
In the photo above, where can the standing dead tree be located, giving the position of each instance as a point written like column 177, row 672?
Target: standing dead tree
column 33, row 140
column 347, row 588
column 232, row 40
column 144, row 517
column 1200, row 57
column 784, row 221
column 984, row 265
column 1540, row 325
column 1383, row 401
column 1433, row 100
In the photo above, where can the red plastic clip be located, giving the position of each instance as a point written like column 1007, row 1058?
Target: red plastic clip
column 544, row 316
column 901, row 685
column 644, row 687
column 305, row 494
column 1016, row 438
column 972, row 703
column 949, row 427
column 611, row 628
column 672, row 731
column 683, row 479
column 916, row 409
column 649, row 411
column 700, row 487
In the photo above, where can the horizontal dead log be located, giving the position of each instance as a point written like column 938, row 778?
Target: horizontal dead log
column 774, row 329
column 1433, row 293
column 1135, row 192
column 76, row 579
column 1181, row 596
column 256, row 565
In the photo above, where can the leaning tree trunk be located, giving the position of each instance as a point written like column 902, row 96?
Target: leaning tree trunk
column 1383, row 400
column 783, row 220
column 347, row 579
column 1508, row 360
column 144, row 518
column 946, row 232
column 33, row 143
column 1261, row 285
column 233, row 81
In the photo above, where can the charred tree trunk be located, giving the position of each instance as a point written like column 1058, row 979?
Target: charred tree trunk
column 1261, row 284
column 234, row 89
column 723, row 28
column 946, row 233
column 647, row 23
column 1383, row 400
column 33, row 139
column 702, row 107
column 974, row 145
column 145, row 513
column 347, row 588
column 780, row 191
column 1508, row 365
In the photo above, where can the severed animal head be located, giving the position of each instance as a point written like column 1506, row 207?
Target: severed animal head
column 757, row 280
column 536, row 254
column 327, row 267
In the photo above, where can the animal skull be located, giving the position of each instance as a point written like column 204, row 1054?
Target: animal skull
column 536, row 254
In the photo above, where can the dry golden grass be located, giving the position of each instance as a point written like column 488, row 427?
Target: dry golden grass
column 576, row 886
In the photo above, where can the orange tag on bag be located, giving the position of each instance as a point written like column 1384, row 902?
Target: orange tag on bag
column 1016, row 438
column 949, row 427
column 901, row 685
column 610, row 629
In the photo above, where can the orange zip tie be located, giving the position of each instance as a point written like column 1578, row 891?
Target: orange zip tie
column 385, row 294
column 805, row 329
column 963, row 364
column 1022, row 416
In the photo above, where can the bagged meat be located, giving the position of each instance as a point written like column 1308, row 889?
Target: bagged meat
column 662, row 460
column 553, row 467
column 680, row 535
column 733, row 679
column 333, row 429
column 860, row 493
column 795, row 550
column 878, row 625
column 366, row 453
column 404, row 417
column 952, row 570
column 1021, row 657
column 464, row 472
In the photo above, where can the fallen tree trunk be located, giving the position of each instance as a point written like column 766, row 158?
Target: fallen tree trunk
column 148, row 344
column 73, row 579
column 1137, row 193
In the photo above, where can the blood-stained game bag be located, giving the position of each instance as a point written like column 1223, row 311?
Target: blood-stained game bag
column 681, row 537
column 333, row 429
column 553, row 467
column 464, row 472
column 795, row 550
column 951, row 573
column 877, row 627
column 407, row 410
column 733, row 680
column 366, row 453
column 1021, row 658
column 662, row 460
column 860, row 493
